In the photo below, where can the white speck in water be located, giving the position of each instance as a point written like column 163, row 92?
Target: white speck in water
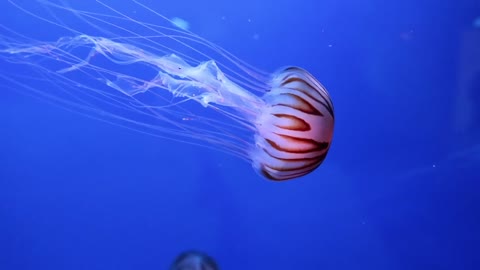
column 180, row 23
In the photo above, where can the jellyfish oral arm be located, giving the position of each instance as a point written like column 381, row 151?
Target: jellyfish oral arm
column 204, row 83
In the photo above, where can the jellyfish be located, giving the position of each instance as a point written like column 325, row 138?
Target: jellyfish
column 149, row 76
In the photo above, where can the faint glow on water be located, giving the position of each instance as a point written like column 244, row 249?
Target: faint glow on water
column 476, row 22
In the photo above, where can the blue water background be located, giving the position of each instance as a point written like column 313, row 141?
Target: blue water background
column 398, row 190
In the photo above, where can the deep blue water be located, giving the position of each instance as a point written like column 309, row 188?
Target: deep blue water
column 398, row 190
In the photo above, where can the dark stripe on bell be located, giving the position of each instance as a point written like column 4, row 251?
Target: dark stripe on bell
column 267, row 174
column 297, row 124
column 296, row 79
column 326, row 100
column 305, row 92
column 288, row 174
column 283, row 178
column 325, row 104
column 314, row 145
column 301, row 105
column 311, row 160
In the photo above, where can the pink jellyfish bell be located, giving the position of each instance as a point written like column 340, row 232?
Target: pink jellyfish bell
column 295, row 129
